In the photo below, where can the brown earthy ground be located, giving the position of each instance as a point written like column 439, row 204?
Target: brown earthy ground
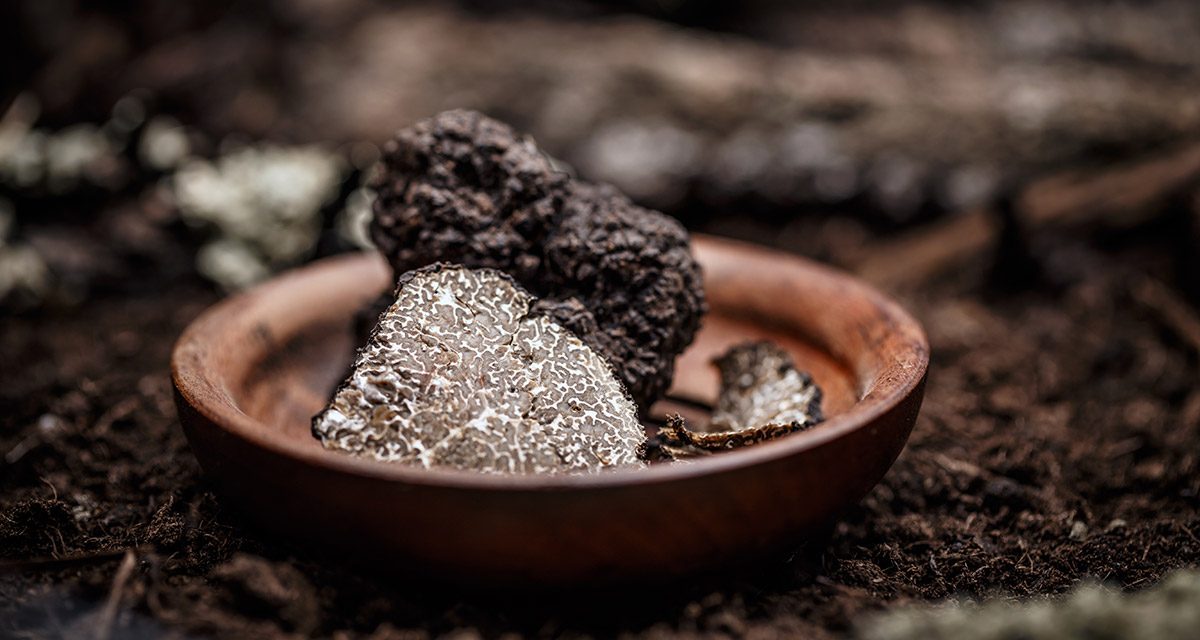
column 1060, row 437
column 1059, row 440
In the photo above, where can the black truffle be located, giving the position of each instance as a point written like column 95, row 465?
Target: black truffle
column 760, row 385
column 467, row 189
column 460, row 373
column 763, row 396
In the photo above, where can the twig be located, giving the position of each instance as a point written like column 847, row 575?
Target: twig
column 109, row 616
column 1189, row 532
column 1122, row 197
column 1177, row 315
column 954, row 465
column 118, row 411
column 23, row 447
column 1116, row 197
column 53, row 489
column 50, row 564
column 676, row 434
column 917, row 256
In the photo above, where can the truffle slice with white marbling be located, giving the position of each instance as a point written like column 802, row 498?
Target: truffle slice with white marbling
column 459, row 373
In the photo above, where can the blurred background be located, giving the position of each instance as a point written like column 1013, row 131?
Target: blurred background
column 1024, row 175
column 762, row 119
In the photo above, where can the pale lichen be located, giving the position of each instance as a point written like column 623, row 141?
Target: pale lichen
column 264, row 203
column 1090, row 612
column 164, row 144
column 58, row 160
column 24, row 277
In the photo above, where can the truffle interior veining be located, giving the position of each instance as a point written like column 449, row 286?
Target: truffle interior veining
column 458, row 373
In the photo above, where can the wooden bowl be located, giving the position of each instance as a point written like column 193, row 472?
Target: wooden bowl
column 251, row 372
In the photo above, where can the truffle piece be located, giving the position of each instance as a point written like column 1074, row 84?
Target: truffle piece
column 760, row 385
column 461, row 373
column 763, row 396
column 464, row 188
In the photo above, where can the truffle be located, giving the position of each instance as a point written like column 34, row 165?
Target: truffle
column 464, row 188
column 760, row 385
column 763, row 396
column 460, row 372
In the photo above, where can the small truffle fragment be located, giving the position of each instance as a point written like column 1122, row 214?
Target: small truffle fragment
column 464, row 188
column 461, row 373
column 763, row 396
column 760, row 385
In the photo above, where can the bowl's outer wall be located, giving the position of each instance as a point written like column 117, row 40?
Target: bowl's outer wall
column 546, row 537
column 568, row 535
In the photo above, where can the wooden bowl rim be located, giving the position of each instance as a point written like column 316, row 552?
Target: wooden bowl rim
column 190, row 375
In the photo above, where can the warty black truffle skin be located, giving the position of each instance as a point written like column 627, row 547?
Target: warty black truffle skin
column 464, row 188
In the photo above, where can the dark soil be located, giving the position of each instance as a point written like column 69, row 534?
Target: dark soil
column 1060, row 437
column 1059, row 441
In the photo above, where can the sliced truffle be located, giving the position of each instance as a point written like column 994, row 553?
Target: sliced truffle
column 763, row 396
column 467, row 189
column 460, row 372
column 760, row 385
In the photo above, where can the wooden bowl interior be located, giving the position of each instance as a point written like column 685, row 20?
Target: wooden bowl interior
column 289, row 362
